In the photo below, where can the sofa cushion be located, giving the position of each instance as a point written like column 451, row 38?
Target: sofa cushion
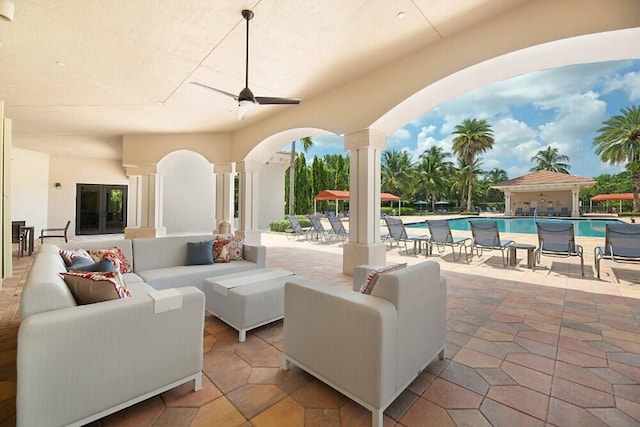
column 84, row 264
column 200, row 253
column 234, row 246
column 69, row 255
column 123, row 244
column 192, row 275
column 150, row 253
column 221, row 251
column 372, row 278
column 115, row 255
column 92, row 287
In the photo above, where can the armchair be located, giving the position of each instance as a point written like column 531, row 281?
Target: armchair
column 55, row 232
column 368, row 347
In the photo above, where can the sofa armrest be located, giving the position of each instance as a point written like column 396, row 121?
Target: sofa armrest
column 76, row 362
column 255, row 253
column 345, row 338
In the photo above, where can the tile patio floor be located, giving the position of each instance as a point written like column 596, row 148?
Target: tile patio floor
column 523, row 348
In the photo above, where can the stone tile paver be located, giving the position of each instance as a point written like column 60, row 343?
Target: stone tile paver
column 523, row 348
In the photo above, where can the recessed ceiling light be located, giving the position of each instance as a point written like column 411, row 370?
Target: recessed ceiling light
column 401, row 15
column 60, row 63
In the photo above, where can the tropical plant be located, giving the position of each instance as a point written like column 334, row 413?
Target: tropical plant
column 467, row 175
column 307, row 143
column 304, row 191
column 396, row 170
column 320, row 182
column 618, row 141
column 550, row 160
column 432, row 173
column 472, row 137
column 493, row 177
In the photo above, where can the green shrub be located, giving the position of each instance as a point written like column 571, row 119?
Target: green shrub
column 403, row 211
column 283, row 225
column 469, row 213
column 406, row 211
column 629, row 214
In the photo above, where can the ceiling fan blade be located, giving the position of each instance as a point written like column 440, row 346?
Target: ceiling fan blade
column 216, row 90
column 268, row 100
column 246, row 99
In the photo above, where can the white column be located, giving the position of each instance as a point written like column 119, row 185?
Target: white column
column 507, row 203
column 364, row 246
column 148, row 203
column 225, row 186
column 575, row 204
column 248, row 208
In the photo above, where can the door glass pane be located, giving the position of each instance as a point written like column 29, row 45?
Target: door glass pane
column 114, row 205
column 89, row 211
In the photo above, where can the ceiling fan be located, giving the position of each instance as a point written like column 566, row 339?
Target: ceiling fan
column 246, row 99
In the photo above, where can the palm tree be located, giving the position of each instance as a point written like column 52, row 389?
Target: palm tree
column 396, row 171
column 307, row 143
column 619, row 141
column 432, row 173
column 492, row 177
column 550, row 160
column 473, row 137
column 467, row 174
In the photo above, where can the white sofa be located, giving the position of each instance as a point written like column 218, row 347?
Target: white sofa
column 79, row 363
column 368, row 347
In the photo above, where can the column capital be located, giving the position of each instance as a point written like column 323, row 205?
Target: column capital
column 368, row 138
column 248, row 166
column 134, row 170
column 224, row 168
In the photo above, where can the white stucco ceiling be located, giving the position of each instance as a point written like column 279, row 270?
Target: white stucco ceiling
column 77, row 75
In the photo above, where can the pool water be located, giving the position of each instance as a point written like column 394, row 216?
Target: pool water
column 527, row 225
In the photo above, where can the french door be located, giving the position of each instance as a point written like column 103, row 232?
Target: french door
column 101, row 209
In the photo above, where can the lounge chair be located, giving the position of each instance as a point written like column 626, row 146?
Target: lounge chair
column 558, row 239
column 441, row 236
column 337, row 228
column 519, row 212
column 621, row 244
column 564, row 211
column 317, row 228
column 61, row 232
column 297, row 230
column 487, row 236
column 398, row 233
column 549, row 211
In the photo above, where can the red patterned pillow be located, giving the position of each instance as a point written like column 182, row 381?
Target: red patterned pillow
column 372, row 278
column 234, row 245
column 221, row 251
column 91, row 287
column 115, row 255
column 69, row 254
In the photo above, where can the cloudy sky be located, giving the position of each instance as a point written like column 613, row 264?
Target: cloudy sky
column 562, row 107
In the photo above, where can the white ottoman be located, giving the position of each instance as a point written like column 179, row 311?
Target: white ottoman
column 247, row 300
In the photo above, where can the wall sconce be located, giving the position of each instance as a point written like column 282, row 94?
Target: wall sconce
column 7, row 8
column 58, row 186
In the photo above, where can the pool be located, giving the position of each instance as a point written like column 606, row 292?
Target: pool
column 527, row 225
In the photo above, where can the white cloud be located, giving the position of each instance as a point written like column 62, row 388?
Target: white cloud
column 560, row 107
column 401, row 136
column 629, row 83
column 328, row 141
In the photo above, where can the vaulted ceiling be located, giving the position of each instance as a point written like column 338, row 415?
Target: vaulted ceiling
column 97, row 70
